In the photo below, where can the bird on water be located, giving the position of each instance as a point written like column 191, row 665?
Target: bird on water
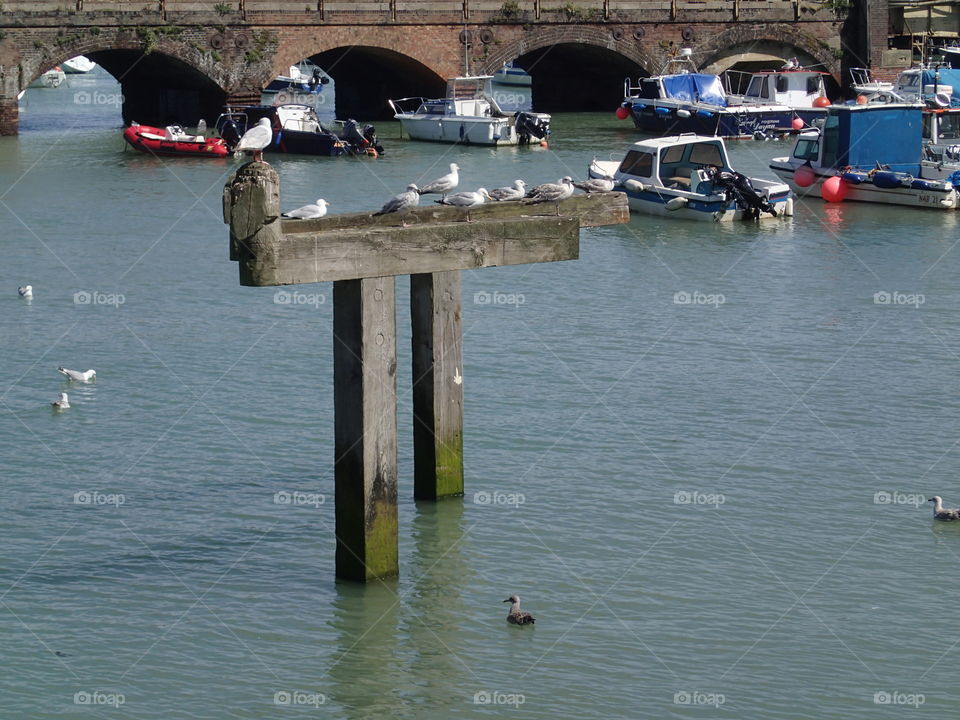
column 25, row 291
column 444, row 184
column 61, row 403
column 516, row 616
column 78, row 376
column 942, row 513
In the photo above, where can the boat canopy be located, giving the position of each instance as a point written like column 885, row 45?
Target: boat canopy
column 864, row 135
column 695, row 87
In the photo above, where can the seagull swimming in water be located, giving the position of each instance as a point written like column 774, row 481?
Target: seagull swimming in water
column 514, row 192
column 443, row 185
column 26, row 291
column 61, row 403
column 77, row 376
column 596, row 185
column 309, row 212
column 551, row 192
column 255, row 140
column 942, row 513
column 516, row 616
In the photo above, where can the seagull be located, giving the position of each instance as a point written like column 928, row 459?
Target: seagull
column 255, row 140
column 514, row 192
column 309, row 212
column 61, row 403
column 517, row 616
column 942, row 513
column 26, row 291
column 443, row 185
column 465, row 199
column 551, row 192
column 78, row 376
column 409, row 198
column 790, row 64
column 596, row 185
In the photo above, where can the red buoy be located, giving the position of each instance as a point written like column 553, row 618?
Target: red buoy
column 804, row 176
column 797, row 123
column 821, row 102
column 622, row 113
column 833, row 189
column 862, row 99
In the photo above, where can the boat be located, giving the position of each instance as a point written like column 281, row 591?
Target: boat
column 50, row 79
column 792, row 85
column 173, row 140
column 863, row 83
column 867, row 153
column 689, row 176
column 78, row 65
column 297, row 129
column 469, row 114
column 681, row 99
column 511, row 74
column 305, row 77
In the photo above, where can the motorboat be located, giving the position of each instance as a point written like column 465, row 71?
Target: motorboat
column 689, row 176
column 304, row 77
column 511, row 74
column 863, row 83
column 173, row 140
column 52, row 78
column 469, row 114
column 681, row 99
column 297, row 129
column 867, row 153
column 78, row 65
column 792, row 85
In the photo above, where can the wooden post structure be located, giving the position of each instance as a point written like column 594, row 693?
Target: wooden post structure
column 361, row 254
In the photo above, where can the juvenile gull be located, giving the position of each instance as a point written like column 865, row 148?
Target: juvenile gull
column 61, row 403
column 596, row 185
column 517, row 616
column 78, row 376
column 309, row 212
column 409, row 198
column 551, row 192
column 514, row 192
column 255, row 140
column 942, row 513
column 26, row 291
column 443, row 185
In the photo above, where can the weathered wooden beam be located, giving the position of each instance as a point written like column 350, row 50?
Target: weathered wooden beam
column 365, row 428
column 251, row 207
column 437, row 385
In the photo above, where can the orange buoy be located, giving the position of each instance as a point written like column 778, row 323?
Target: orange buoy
column 833, row 189
column 544, row 143
column 862, row 99
column 804, row 176
column 821, row 102
column 797, row 123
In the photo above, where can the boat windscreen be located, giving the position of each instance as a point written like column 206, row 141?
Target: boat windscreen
column 708, row 153
column 695, row 87
column 637, row 162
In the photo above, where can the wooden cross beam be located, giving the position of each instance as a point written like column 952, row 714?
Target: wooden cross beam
column 361, row 254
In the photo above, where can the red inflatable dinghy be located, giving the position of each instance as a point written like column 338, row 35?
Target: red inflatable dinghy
column 174, row 141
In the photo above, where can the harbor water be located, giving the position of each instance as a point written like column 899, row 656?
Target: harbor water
column 700, row 455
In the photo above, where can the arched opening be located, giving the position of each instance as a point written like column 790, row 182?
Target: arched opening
column 366, row 77
column 746, row 58
column 575, row 77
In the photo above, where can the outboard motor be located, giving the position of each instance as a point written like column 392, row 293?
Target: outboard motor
column 361, row 140
column 739, row 188
column 531, row 126
column 230, row 131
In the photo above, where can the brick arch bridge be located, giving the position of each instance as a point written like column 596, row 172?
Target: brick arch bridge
column 181, row 60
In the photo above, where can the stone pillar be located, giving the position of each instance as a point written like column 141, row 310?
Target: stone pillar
column 437, row 385
column 365, row 428
column 878, row 22
column 9, row 116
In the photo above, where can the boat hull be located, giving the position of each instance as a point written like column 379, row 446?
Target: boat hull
column 662, row 118
column 151, row 140
column 460, row 129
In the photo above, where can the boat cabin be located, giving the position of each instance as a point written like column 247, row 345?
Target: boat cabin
column 701, row 88
column 795, row 88
column 676, row 162
column 466, row 96
column 922, row 84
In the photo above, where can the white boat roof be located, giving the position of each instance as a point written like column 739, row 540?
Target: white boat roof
column 470, row 77
column 671, row 140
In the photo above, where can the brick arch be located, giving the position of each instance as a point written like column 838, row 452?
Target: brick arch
column 741, row 38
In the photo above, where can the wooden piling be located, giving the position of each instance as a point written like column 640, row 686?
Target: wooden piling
column 251, row 207
column 437, row 385
column 365, row 427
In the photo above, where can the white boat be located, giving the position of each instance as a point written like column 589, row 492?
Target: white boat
column 689, row 176
column 792, row 85
column 78, row 65
column 867, row 153
column 50, row 79
column 468, row 114
column 304, row 77
column 510, row 74
column 862, row 83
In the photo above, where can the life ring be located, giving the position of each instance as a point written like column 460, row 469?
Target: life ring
column 486, row 36
column 466, row 37
column 687, row 34
column 216, row 41
column 241, row 41
column 617, row 33
column 638, row 33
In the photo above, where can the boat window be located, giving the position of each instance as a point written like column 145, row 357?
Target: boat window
column 673, row 154
column 806, row 149
column 707, row 154
column 637, row 162
column 756, row 86
column 782, row 82
column 830, row 140
column 948, row 128
column 814, row 85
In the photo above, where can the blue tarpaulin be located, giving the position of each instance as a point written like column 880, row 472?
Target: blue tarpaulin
column 695, row 87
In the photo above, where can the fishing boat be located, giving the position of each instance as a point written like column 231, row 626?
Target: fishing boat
column 173, row 140
column 681, row 99
column 469, row 114
column 689, row 176
column 52, row 78
column 78, row 65
column 297, row 129
column 511, row 74
column 867, row 153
